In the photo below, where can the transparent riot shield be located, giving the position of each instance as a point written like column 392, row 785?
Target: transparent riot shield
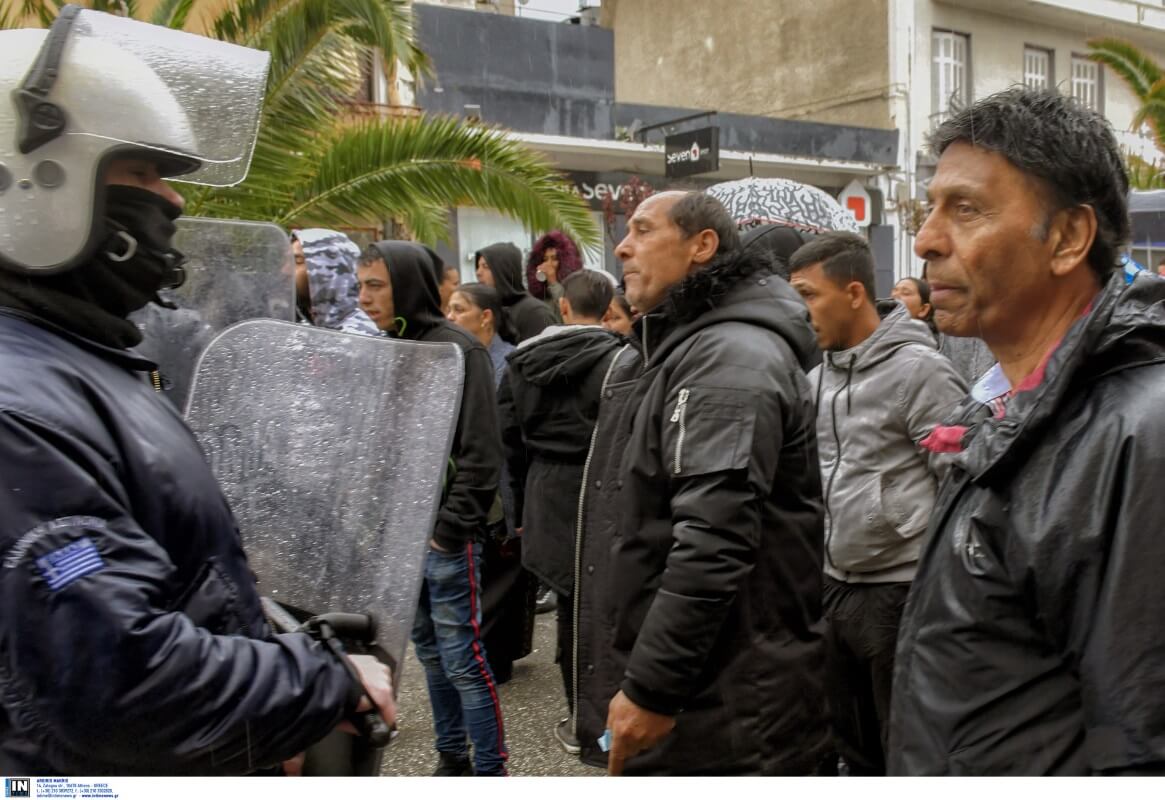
column 234, row 271
column 331, row 449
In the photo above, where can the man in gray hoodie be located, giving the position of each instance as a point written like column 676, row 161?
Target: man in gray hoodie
column 882, row 388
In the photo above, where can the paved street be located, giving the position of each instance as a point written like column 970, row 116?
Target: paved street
column 531, row 701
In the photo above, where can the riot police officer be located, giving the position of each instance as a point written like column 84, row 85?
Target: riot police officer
column 132, row 639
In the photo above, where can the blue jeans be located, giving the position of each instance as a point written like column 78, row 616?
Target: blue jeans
column 447, row 637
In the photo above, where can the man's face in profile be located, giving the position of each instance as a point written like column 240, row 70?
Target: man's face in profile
column 987, row 260
column 656, row 254
column 376, row 294
column 302, row 290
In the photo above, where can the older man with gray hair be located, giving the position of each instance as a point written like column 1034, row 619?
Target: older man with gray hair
column 1031, row 640
column 699, row 646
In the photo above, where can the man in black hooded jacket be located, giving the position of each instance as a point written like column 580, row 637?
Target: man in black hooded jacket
column 699, row 640
column 399, row 291
column 500, row 266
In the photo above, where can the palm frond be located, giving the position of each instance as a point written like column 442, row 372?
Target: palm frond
column 1152, row 111
column 314, row 70
column 44, row 10
column 409, row 168
column 120, row 8
column 244, row 22
column 9, row 19
column 313, row 73
column 315, row 65
column 1143, row 174
column 172, row 13
column 388, row 26
column 311, row 164
column 1130, row 63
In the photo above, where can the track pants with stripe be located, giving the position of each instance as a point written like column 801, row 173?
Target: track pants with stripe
column 447, row 638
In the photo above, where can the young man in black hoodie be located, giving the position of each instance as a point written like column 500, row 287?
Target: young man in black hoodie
column 500, row 266
column 549, row 400
column 398, row 290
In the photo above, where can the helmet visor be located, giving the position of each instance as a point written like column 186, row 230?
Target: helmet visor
column 186, row 97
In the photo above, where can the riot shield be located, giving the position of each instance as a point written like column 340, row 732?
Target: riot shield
column 234, row 271
column 331, row 449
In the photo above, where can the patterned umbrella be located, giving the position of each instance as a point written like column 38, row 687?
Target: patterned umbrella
column 753, row 202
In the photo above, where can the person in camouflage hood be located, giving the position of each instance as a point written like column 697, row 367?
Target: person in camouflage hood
column 330, row 258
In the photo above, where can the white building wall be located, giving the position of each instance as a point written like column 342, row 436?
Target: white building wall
column 997, row 41
column 997, row 44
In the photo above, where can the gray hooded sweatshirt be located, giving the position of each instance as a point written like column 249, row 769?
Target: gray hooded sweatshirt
column 875, row 403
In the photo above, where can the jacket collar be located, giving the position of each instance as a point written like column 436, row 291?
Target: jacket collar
column 1124, row 329
column 896, row 329
column 129, row 359
column 698, row 293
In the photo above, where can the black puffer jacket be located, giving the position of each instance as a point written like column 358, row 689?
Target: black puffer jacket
column 549, row 400
column 528, row 315
column 132, row 641
column 1031, row 642
column 477, row 446
column 700, row 590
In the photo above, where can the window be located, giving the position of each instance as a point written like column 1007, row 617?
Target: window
column 950, row 73
column 373, row 83
column 1037, row 68
column 1086, row 82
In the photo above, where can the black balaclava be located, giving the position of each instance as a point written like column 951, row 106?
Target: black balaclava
column 133, row 261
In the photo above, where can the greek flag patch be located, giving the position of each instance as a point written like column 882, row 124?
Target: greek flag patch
column 75, row 560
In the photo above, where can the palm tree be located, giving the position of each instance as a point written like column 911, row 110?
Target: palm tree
column 1144, row 77
column 316, row 162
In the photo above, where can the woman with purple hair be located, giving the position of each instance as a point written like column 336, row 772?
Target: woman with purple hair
column 553, row 259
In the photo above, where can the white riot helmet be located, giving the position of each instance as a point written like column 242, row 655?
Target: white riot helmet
column 96, row 86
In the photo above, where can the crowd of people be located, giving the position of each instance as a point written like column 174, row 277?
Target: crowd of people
column 791, row 528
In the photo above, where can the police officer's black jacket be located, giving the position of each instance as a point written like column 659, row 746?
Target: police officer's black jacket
column 1032, row 639
column 477, row 445
column 132, row 639
column 701, row 556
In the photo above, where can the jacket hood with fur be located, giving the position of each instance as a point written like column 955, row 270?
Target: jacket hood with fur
column 738, row 286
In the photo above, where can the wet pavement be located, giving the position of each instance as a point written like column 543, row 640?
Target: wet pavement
column 532, row 703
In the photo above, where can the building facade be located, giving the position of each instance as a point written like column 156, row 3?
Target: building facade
column 948, row 53
column 555, row 86
column 896, row 64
